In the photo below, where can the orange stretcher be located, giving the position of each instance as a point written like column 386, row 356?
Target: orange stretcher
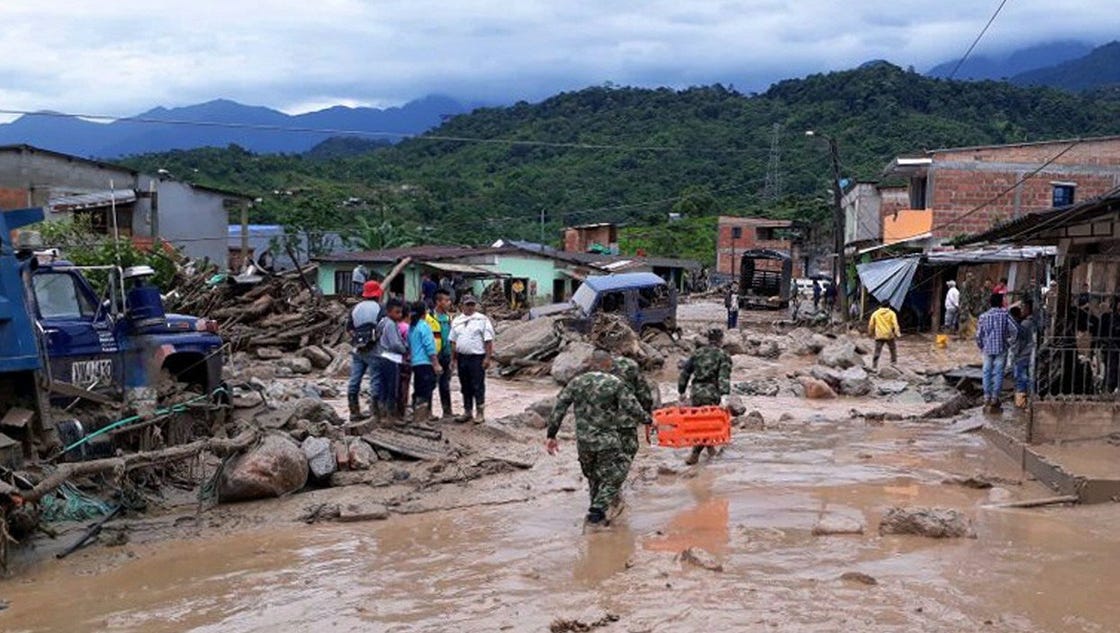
column 678, row 427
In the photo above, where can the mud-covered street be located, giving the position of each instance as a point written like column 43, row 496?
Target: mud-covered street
column 508, row 550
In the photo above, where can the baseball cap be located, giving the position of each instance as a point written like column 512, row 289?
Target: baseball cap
column 470, row 299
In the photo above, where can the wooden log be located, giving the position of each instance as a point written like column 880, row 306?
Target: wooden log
column 120, row 465
column 1035, row 503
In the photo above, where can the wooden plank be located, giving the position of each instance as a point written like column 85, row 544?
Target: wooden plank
column 1035, row 503
column 17, row 418
column 406, row 444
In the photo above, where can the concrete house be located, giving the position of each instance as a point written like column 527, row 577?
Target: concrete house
column 194, row 218
column 866, row 205
column 959, row 191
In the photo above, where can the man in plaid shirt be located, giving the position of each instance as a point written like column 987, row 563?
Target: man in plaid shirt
column 994, row 333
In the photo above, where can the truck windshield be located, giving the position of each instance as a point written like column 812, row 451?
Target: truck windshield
column 584, row 298
column 59, row 298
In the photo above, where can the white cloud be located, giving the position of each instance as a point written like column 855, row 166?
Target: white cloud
column 124, row 56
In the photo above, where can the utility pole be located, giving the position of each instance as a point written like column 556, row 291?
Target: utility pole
column 839, row 264
column 542, row 227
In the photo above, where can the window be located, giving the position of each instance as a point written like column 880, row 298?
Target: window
column 612, row 302
column 1063, row 193
column 653, row 297
column 918, row 187
column 736, row 232
column 59, row 298
column 343, row 282
column 765, row 233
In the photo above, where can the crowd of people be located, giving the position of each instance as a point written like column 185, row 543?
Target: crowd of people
column 415, row 348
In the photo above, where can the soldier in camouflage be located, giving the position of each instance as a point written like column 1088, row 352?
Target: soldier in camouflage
column 630, row 374
column 709, row 369
column 603, row 406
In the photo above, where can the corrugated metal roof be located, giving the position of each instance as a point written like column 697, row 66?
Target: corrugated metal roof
column 1031, row 225
column 991, row 255
column 889, row 279
column 94, row 200
column 465, row 269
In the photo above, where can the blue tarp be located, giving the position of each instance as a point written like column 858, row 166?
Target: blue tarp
column 889, row 279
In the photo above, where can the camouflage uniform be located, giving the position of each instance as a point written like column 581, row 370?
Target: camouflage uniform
column 603, row 407
column 630, row 374
column 709, row 369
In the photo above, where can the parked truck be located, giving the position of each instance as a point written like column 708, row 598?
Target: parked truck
column 62, row 341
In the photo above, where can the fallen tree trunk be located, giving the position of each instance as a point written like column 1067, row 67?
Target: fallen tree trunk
column 120, row 465
column 1036, row 503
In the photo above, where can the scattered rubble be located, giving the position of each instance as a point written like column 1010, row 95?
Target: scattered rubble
column 571, row 362
column 841, row 354
column 930, row 522
column 561, row 625
column 758, row 387
column 320, row 457
column 859, row 577
column 816, row 389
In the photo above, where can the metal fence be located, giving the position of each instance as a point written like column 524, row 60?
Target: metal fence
column 1081, row 367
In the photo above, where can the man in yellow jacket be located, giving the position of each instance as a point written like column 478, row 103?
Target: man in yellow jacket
column 883, row 327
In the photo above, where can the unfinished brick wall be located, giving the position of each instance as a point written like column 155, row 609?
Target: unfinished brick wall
column 963, row 180
column 12, row 198
column 728, row 250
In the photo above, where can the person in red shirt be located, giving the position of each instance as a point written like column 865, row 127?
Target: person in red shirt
column 1001, row 290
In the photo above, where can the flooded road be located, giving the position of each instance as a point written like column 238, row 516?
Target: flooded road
column 519, row 566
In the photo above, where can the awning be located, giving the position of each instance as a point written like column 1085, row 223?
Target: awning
column 889, row 279
column 95, row 200
column 990, row 255
column 464, row 269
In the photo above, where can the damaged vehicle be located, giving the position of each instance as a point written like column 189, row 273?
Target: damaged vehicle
column 644, row 300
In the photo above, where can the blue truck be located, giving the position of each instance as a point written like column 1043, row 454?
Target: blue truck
column 61, row 341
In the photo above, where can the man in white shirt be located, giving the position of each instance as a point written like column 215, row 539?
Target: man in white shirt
column 472, row 350
column 952, row 306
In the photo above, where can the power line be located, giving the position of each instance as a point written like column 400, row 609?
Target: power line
column 960, row 62
column 378, row 134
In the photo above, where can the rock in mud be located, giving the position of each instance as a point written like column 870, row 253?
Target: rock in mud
column 318, row 357
column 296, row 364
column 855, row 382
column 269, row 353
column 544, row 407
column 890, row 387
column 529, row 419
column 999, row 495
column 753, row 422
column 841, row 354
column 930, row 522
column 835, row 525
column 320, row 457
column 816, row 389
column 701, row 558
column 860, row 577
column 562, row 625
column 890, row 372
column 571, row 362
column 362, row 455
column 759, row 387
column 526, row 339
column 273, row 468
column 314, row 410
column 735, row 405
column 768, row 348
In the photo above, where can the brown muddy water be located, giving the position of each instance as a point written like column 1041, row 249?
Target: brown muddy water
column 521, row 565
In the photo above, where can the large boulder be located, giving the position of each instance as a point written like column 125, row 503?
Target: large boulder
column 296, row 364
column 827, row 375
column 841, row 354
column 273, row 468
column 319, row 357
column 571, row 362
column 758, row 387
column 735, row 405
column 314, row 410
column 767, row 348
column 931, row 522
column 854, row 381
column 320, row 457
column 526, row 339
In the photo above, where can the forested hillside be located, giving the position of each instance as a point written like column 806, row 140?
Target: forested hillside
column 634, row 155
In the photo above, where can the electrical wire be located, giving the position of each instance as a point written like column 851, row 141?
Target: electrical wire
column 960, row 62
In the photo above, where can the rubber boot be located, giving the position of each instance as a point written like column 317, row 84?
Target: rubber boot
column 356, row 414
column 481, row 417
column 466, row 417
column 421, row 413
column 694, row 457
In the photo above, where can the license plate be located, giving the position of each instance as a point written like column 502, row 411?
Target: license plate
column 86, row 373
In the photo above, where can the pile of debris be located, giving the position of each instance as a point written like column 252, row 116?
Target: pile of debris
column 494, row 304
column 281, row 311
column 547, row 346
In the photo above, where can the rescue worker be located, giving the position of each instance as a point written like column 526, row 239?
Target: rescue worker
column 603, row 405
column 361, row 325
column 630, row 374
column 709, row 370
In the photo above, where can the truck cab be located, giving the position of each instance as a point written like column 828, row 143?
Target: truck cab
column 643, row 299
column 120, row 344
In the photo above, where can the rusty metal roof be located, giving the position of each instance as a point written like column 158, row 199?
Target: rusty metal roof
column 93, row 200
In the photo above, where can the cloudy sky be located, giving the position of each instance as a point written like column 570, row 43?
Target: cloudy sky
column 125, row 56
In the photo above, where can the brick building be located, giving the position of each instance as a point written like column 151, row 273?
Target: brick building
column 586, row 238
column 738, row 234
column 946, row 186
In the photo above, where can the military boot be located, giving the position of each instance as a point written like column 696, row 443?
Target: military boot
column 356, row 414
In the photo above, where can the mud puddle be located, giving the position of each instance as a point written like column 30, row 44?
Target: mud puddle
column 519, row 566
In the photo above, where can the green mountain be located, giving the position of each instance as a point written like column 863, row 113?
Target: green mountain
column 1098, row 69
column 634, row 155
